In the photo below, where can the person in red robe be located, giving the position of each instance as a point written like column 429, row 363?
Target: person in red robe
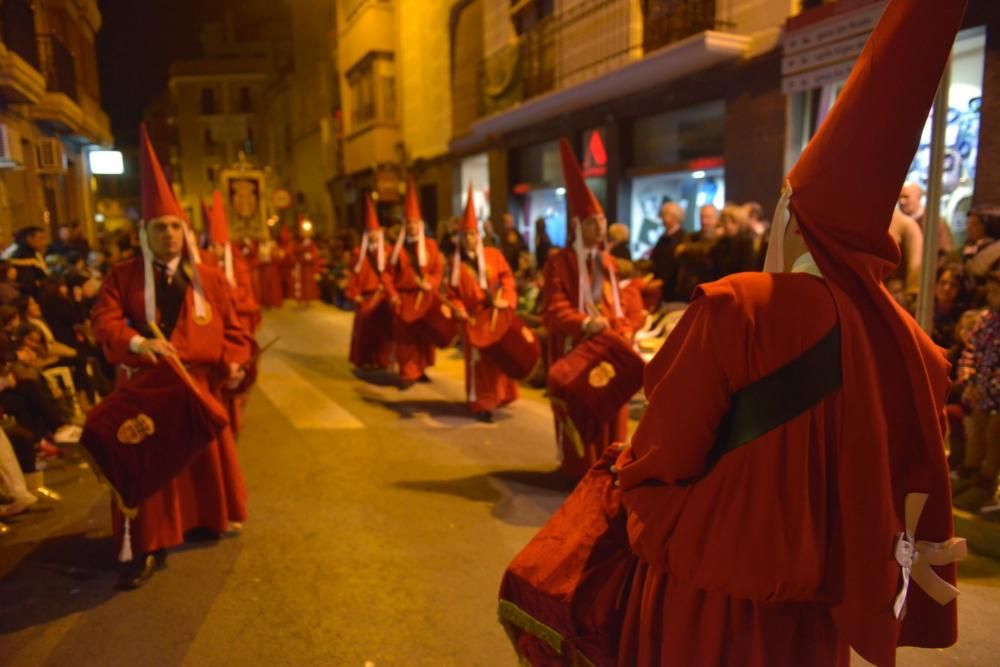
column 272, row 286
column 826, row 525
column 233, row 264
column 247, row 248
column 480, row 283
column 192, row 307
column 370, row 286
column 221, row 255
column 573, row 310
column 307, row 264
column 285, row 259
column 417, row 270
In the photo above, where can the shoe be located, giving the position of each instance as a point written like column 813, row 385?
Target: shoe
column 160, row 559
column 974, row 498
column 961, row 483
column 423, row 379
column 135, row 573
column 68, row 435
column 405, row 384
column 48, row 494
column 235, row 528
column 486, row 417
column 201, row 535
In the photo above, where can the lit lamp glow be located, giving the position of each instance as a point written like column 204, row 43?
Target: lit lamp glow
column 107, row 162
column 307, row 226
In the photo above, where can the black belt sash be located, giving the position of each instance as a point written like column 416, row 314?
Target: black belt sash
column 779, row 397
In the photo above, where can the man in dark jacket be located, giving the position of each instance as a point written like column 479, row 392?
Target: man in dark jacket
column 664, row 252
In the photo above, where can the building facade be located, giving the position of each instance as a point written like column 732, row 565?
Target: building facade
column 50, row 114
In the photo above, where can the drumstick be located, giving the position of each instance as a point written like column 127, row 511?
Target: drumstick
column 250, row 362
column 180, row 367
column 493, row 319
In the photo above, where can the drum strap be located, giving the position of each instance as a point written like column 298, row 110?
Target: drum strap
column 779, row 397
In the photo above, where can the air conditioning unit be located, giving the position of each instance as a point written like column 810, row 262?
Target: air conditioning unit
column 51, row 156
column 11, row 152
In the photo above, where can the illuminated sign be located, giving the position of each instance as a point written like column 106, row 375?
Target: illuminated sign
column 595, row 157
column 107, row 162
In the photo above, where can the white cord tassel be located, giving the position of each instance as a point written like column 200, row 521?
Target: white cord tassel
column 228, row 264
column 363, row 253
column 125, row 555
column 149, row 288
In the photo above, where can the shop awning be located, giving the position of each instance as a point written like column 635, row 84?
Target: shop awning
column 670, row 63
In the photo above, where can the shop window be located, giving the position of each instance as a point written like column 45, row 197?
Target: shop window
column 208, row 106
column 690, row 187
column 674, row 137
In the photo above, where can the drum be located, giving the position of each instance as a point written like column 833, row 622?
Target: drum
column 149, row 429
column 598, row 376
column 514, row 347
column 439, row 322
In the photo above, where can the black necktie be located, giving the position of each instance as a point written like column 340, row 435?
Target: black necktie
column 170, row 293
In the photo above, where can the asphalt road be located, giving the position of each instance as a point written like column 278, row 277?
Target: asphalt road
column 380, row 524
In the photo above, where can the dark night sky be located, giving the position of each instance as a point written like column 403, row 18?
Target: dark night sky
column 137, row 42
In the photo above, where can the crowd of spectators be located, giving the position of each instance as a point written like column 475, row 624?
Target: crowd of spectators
column 51, row 370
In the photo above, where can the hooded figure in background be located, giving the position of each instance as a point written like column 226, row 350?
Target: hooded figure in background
column 370, row 287
column 481, row 281
column 832, row 528
column 582, row 299
column 233, row 264
column 166, row 291
column 417, row 270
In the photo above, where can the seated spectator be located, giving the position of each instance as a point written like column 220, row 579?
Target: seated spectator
column 29, row 260
column 976, row 484
column 981, row 252
column 9, row 288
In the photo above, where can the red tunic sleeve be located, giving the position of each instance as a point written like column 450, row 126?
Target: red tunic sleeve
column 111, row 325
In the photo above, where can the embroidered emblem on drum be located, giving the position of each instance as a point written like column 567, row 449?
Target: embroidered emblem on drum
column 446, row 311
column 203, row 321
column 528, row 335
column 135, row 430
column 601, row 375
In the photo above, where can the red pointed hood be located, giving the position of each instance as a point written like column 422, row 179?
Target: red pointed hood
column 411, row 208
column 580, row 201
column 469, row 222
column 371, row 217
column 158, row 199
column 218, row 226
column 284, row 236
column 842, row 193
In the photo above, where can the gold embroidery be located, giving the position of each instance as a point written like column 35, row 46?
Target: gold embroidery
column 528, row 335
column 601, row 375
column 203, row 321
column 446, row 311
column 135, row 430
column 511, row 617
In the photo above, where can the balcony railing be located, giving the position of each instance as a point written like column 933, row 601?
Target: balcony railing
column 17, row 28
column 585, row 41
column 60, row 67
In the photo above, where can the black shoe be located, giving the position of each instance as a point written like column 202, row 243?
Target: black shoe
column 423, row 378
column 486, row 417
column 136, row 572
column 405, row 384
column 160, row 559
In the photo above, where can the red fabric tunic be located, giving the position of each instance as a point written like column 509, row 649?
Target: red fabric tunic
column 564, row 322
column 272, row 293
column 733, row 567
column 414, row 351
column 308, row 263
column 210, row 493
column 371, row 335
column 486, row 387
column 248, row 250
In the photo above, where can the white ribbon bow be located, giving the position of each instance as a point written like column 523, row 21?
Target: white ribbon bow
column 916, row 558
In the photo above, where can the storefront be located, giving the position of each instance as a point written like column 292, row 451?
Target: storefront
column 474, row 170
column 676, row 157
column 820, row 51
column 537, row 191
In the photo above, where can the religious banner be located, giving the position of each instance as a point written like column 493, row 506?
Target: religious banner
column 244, row 190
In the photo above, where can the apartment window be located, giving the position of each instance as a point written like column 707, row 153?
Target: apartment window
column 362, row 84
column 209, row 140
column 208, row 101
column 246, row 103
column 389, row 97
column 210, row 174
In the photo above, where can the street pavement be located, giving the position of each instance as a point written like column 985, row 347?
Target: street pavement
column 380, row 524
